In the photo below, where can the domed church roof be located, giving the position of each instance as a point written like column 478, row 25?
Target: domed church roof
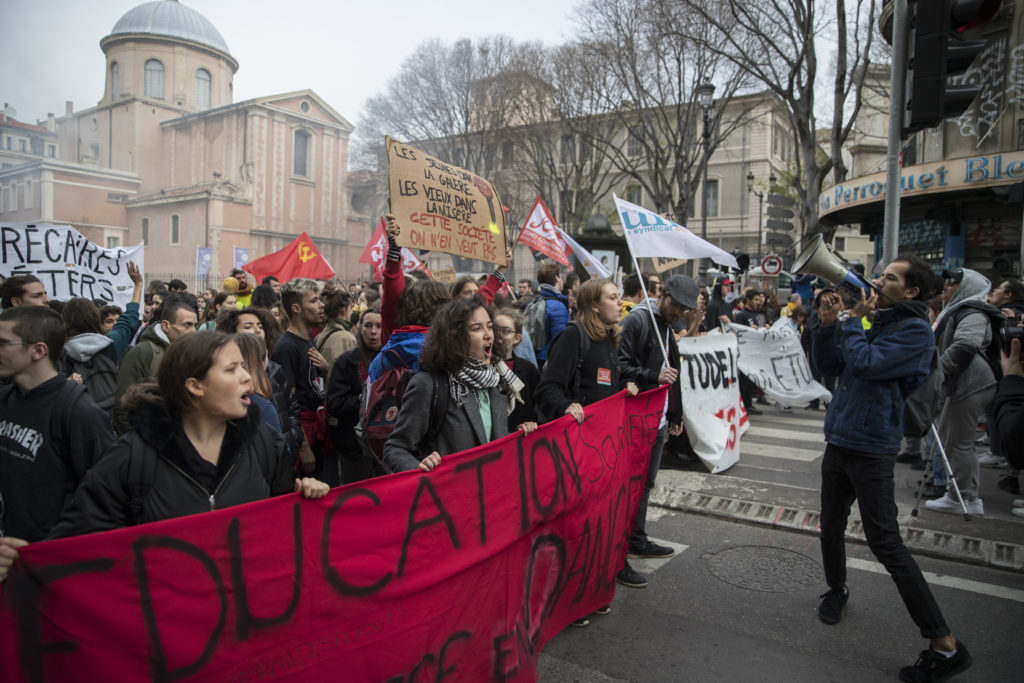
column 170, row 18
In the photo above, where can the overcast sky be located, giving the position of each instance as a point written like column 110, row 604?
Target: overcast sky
column 344, row 51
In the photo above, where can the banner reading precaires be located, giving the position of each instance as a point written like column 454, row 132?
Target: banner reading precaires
column 67, row 263
column 462, row 573
column 442, row 207
column 713, row 414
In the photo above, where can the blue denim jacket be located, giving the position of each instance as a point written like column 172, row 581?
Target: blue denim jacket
column 863, row 415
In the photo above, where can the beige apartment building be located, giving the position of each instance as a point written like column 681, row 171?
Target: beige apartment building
column 167, row 157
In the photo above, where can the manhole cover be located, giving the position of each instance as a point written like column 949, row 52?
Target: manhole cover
column 765, row 569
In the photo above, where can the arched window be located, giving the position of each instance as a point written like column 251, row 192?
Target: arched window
column 300, row 153
column 202, row 89
column 154, row 79
column 115, row 80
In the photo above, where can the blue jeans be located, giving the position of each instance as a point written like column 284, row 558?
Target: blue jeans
column 867, row 478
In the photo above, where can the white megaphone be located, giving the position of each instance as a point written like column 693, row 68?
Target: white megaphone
column 820, row 259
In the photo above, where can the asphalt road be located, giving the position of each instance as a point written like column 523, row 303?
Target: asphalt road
column 739, row 603
column 739, row 600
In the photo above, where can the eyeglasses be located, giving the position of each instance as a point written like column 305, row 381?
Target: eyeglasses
column 504, row 331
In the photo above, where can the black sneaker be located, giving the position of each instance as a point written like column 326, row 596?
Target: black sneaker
column 830, row 610
column 603, row 610
column 581, row 622
column 754, row 411
column 932, row 666
column 932, row 491
column 628, row 576
column 651, row 549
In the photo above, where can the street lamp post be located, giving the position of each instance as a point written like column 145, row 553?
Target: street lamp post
column 705, row 97
column 760, row 208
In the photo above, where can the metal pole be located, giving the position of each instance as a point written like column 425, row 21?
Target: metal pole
column 704, row 193
column 897, row 104
column 760, row 224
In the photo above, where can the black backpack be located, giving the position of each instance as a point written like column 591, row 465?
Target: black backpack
column 996, row 319
column 61, row 415
column 536, row 324
column 99, row 376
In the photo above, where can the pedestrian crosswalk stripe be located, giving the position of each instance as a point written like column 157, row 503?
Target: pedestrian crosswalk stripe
column 787, row 434
column 934, row 579
column 782, row 452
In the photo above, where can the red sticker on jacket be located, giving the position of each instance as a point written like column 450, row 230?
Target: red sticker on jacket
column 604, row 376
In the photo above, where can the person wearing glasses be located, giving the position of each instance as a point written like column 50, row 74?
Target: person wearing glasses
column 52, row 431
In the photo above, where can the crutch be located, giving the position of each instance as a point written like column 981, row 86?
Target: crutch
column 937, row 443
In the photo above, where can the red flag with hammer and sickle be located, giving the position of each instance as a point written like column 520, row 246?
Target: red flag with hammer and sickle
column 301, row 258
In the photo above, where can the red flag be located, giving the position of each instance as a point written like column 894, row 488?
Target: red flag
column 540, row 233
column 301, row 258
column 377, row 250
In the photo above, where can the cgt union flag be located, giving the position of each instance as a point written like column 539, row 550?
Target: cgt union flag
column 649, row 234
column 301, row 258
column 377, row 250
column 541, row 233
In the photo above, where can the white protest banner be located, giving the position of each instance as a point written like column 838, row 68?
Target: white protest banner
column 713, row 414
column 649, row 234
column 774, row 360
column 67, row 263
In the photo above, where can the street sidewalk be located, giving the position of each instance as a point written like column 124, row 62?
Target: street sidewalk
column 995, row 539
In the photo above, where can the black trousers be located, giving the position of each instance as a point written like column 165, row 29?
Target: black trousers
column 847, row 475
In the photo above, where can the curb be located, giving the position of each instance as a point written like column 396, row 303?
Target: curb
column 939, row 544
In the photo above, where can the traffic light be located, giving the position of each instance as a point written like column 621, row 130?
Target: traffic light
column 938, row 51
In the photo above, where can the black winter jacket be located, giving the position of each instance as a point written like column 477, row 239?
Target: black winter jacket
column 599, row 375
column 1008, row 408
column 289, row 412
column 253, row 465
column 640, row 356
column 343, row 392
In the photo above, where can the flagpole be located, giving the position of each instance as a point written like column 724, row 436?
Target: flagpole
column 643, row 287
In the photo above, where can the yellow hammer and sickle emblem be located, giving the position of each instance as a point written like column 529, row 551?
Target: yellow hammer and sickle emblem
column 305, row 253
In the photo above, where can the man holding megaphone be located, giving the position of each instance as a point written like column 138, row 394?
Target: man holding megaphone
column 863, row 430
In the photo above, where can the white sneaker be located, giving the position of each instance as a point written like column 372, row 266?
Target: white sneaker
column 990, row 460
column 950, row 504
column 982, row 440
column 1018, row 511
column 1018, row 502
column 785, row 409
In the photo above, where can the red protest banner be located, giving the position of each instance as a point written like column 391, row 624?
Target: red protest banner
column 464, row 572
column 376, row 251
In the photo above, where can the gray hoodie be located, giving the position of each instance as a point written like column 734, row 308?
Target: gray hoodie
column 961, row 346
column 82, row 347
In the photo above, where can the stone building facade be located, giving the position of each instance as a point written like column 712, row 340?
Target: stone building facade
column 167, row 157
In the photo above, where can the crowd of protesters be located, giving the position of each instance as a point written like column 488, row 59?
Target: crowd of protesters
column 186, row 403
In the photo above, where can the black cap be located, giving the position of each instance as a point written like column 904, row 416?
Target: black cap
column 683, row 290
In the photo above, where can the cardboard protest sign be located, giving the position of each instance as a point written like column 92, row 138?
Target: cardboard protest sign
column 462, row 573
column 442, row 207
column 775, row 361
column 67, row 263
column 713, row 414
column 446, row 275
column 661, row 265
